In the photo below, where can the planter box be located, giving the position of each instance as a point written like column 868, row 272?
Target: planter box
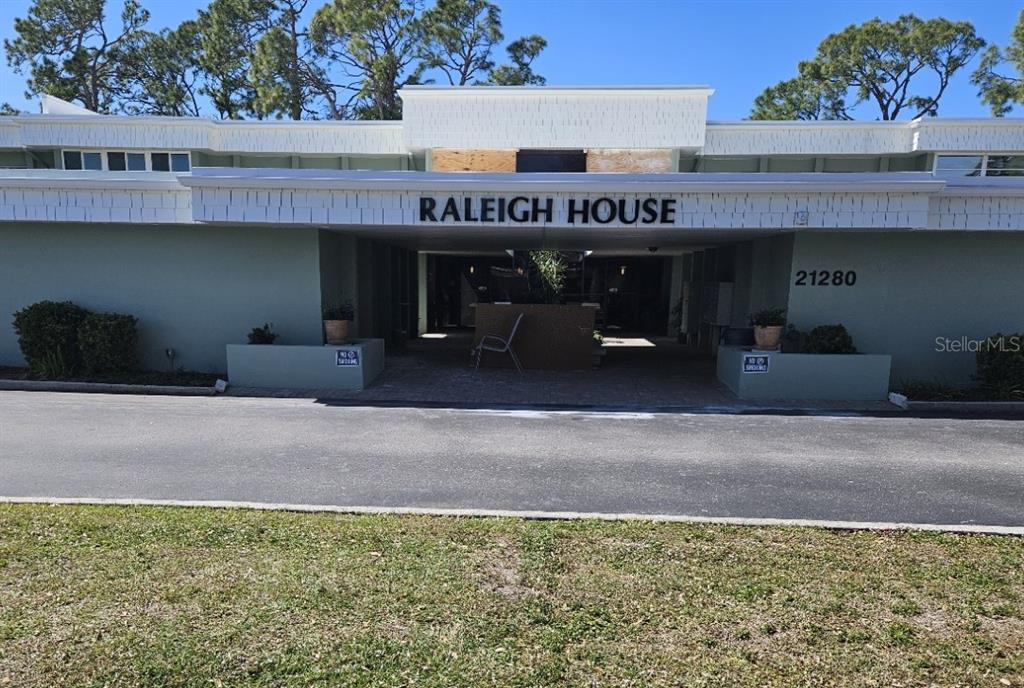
column 774, row 375
column 350, row 366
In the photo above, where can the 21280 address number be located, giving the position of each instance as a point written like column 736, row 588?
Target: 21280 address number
column 826, row 278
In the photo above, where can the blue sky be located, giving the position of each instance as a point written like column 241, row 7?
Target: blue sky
column 736, row 46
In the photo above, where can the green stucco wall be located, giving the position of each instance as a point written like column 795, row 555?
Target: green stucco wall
column 339, row 271
column 193, row 289
column 770, row 261
column 911, row 288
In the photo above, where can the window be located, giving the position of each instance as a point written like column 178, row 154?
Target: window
column 123, row 161
column 179, row 162
column 116, row 162
column 958, row 165
column 551, row 161
column 978, row 165
column 161, row 162
column 1005, row 166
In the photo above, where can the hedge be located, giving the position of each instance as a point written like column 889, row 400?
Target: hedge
column 830, row 339
column 1001, row 365
column 107, row 342
column 48, row 335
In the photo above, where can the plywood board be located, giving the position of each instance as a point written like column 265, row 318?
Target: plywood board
column 473, row 160
column 635, row 160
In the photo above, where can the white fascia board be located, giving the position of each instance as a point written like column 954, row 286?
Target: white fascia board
column 988, row 186
column 434, row 91
column 996, row 122
column 747, row 125
column 1007, row 122
column 823, row 138
column 219, row 136
column 144, row 120
column 68, row 179
column 810, row 182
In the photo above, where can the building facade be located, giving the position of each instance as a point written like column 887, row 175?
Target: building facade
column 911, row 234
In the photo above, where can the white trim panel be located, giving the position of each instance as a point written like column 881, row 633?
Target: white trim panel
column 94, row 197
column 863, row 138
column 568, row 119
column 293, row 138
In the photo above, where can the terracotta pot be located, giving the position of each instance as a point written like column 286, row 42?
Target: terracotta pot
column 767, row 336
column 336, row 331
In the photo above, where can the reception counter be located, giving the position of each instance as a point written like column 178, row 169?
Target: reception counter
column 550, row 337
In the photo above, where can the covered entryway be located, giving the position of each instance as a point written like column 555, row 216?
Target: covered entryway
column 418, row 253
column 630, row 293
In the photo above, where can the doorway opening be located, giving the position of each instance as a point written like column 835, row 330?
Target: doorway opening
column 630, row 293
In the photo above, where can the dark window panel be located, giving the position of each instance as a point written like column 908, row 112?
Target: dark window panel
column 551, row 161
column 179, row 162
column 161, row 162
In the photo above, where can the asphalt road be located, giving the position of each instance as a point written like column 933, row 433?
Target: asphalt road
column 296, row 451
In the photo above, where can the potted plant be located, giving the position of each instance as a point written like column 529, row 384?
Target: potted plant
column 263, row 335
column 336, row 322
column 768, row 324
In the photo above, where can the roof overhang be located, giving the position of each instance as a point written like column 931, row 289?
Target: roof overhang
column 434, row 210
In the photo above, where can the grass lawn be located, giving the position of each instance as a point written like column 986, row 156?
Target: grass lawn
column 115, row 596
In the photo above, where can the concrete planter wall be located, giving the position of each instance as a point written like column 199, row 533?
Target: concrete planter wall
column 350, row 367
column 844, row 377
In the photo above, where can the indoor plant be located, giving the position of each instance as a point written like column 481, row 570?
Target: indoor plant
column 336, row 322
column 768, row 324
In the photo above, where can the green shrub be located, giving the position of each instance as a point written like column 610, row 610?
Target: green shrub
column 50, row 366
column 769, row 317
column 830, row 339
column 935, row 390
column 1001, row 366
column 342, row 311
column 48, row 335
column 107, row 342
column 263, row 335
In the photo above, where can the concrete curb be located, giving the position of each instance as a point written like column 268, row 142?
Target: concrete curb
column 980, row 408
column 553, row 407
column 952, row 409
column 103, row 388
column 1017, row 531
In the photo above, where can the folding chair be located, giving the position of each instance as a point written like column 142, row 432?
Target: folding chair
column 499, row 345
